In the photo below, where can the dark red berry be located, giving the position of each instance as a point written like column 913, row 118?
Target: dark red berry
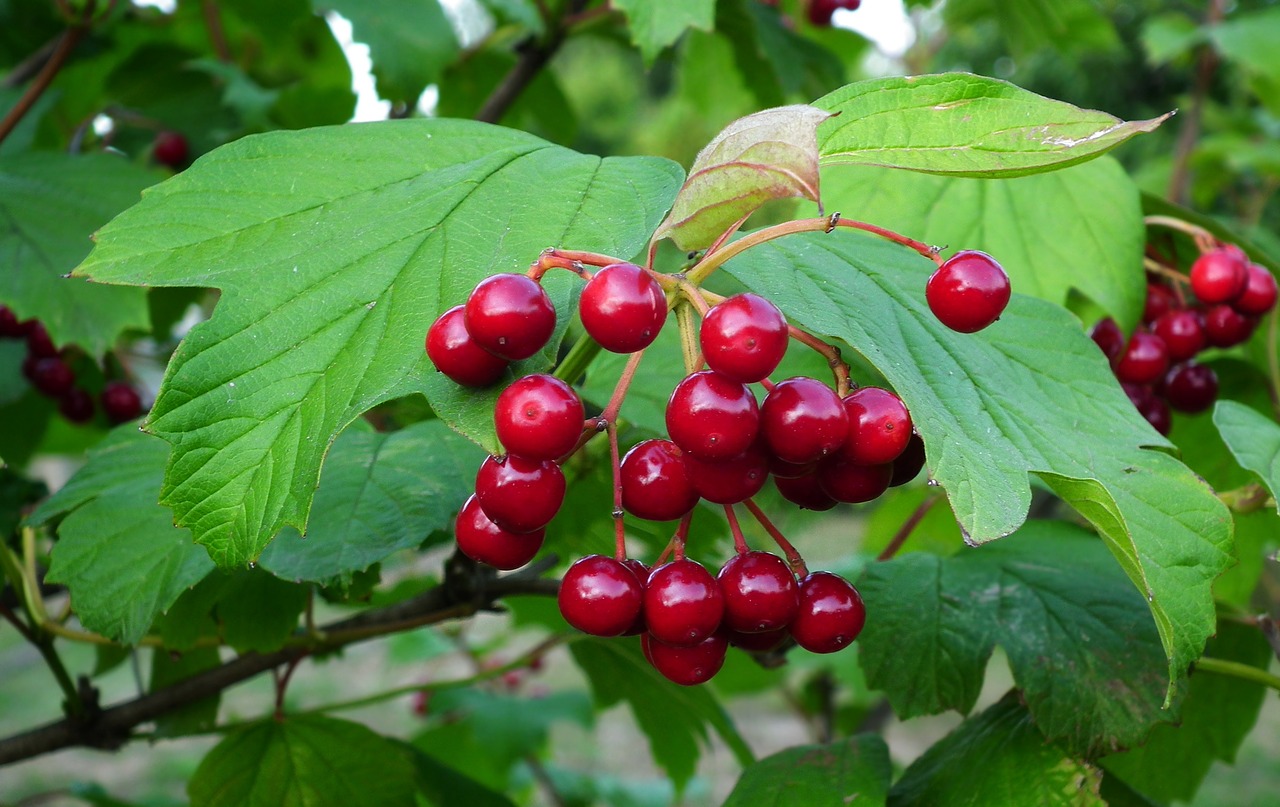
column 1138, row 394
column 1191, row 387
column 10, row 326
column 683, row 604
column 51, row 376
column 909, row 463
column 510, row 316
column 1144, row 359
column 687, row 666
column 805, row 492
column 831, row 613
column 851, row 482
column 1259, row 295
column 757, row 642
column 760, row 592
column 485, row 542
column 1219, row 275
column 729, row 481
column 600, row 596
column 120, row 401
column 454, row 353
column 520, row 494
column 803, row 420
column 879, row 426
column 622, row 308
column 655, row 481
column 1226, row 327
column 1156, row 411
column 712, row 416
column 76, row 405
column 821, row 11
column 539, row 417
column 171, row 149
column 744, row 337
column 1160, row 301
column 790, row 470
column 38, row 342
column 968, row 291
column 1108, row 336
column 1181, row 333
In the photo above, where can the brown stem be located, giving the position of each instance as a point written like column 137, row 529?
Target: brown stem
column 217, row 35
column 908, row 526
column 739, row 540
column 533, row 57
column 793, row 555
column 67, row 43
column 1206, row 66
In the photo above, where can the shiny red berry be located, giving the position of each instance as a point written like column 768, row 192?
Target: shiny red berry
column 510, row 316
column 1144, row 359
column 805, row 492
column 765, row 642
column 1160, row 301
column 803, row 420
column 1191, row 387
column 760, row 592
column 687, row 666
column 1108, row 337
column 729, row 481
column 744, row 337
column 1259, row 295
column 600, row 596
column 1156, row 411
column 831, row 613
column 485, row 542
column 539, row 417
column 1226, row 327
column 623, row 308
column 909, row 463
column 712, row 416
column 520, row 494
column 1181, row 333
column 968, row 291
column 171, row 149
column 879, row 426
column 120, row 401
column 454, row 353
column 683, row 604
column 852, row 482
column 655, row 481
column 1219, row 275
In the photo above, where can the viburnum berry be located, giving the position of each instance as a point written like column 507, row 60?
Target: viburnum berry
column 1106, row 334
column 510, row 316
column 1160, row 301
column 831, row 613
column 1181, row 332
column 1145, row 359
column 76, row 405
column 803, row 420
column 454, row 353
column 600, row 596
column 171, row 149
column 539, row 417
column 909, row 463
column 764, row 642
column 1219, row 275
column 120, row 401
column 39, row 344
column 688, row 665
column 821, row 11
column 1259, row 295
column 51, row 376
column 760, row 592
column 10, row 326
column 683, row 604
column 851, row 482
column 1191, row 387
column 1156, row 411
column 729, row 481
column 1226, row 327
column 712, row 417
column 805, row 491
column 968, row 291
column 520, row 494
column 623, row 308
column 655, row 481
column 485, row 542
column 879, row 426
column 744, row 337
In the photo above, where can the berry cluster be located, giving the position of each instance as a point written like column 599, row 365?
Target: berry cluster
column 47, row 369
column 821, row 445
column 1156, row 366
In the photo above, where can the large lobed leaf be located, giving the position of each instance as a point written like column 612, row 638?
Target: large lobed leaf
column 656, row 24
column 855, row 771
column 334, row 249
column 1254, row 440
column 963, row 125
column 1030, row 394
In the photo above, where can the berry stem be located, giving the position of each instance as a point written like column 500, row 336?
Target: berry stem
column 1157, row 268
column 66, row 44
column 1203, row 238
column 739, row 541
column 839, row 367
column 908, row 526
column 793, row 556
column 687, row 323
column 619, row 529
column 676, row 545
column 610, row 413
column 576, row 361
column 1235, row 669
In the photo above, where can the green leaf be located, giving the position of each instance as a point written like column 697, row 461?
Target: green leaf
column 512, row 728
column 1218, row 713
column 444, row 786
column 1167, row 36
column 338, row 274
column 1090, row 239
column 997, row 759
column 1029, row 26
column 656, row 24
column 167, row 669
column 51, row 204
column 963, row 125
column 767, row 155
column 777, row 63
column 1254, row 440
column 118, row 551
column 855, row 771
column 1250, row 39
column 378, row 493
column 304, row 761
column 992, row 407
column 258, row 611
column 673, row 718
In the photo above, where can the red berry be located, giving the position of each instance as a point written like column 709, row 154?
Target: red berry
column 821, row 11
column 683, row 604
column 790, row 470
column 909, row 463
column 1160, row 300
column 879, row 426
column 803, row 420
column 852, row 483
column 51, row 376
column 1181, row 333
column 539, row 417
column 510, row 316
column 76, row 405
column 1191, row 387
column 600, row 596
column 831, row 613
column 757, row 642
column 120, row 401
column 171, row 149
column 760, row 592
column 1108, row 336
column 38, row 342
column 968, row 291
column 1259, row 295
column 744, row 337
column 1226, row 327
column 1156, row 411
column 728, row 481
column 10, row 326
column 1144, row 359
column 1219, row 275
column 454, row 353
column 1138, row 394
column 712, row 416
column 485, row 542
column 623, row 308
column 520, row 494
column 805, row 492
column 655, row 482
column 687, row 666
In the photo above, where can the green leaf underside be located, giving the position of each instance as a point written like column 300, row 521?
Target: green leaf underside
column 673, row 718
column 656, row 24
column 768, row 155
column 118, row 551
column 997, row 759
column 1090, row 239
column 444, row 786
column 963, row 125
column 50, row 204
column 334, row 249
column 304, row 762
column 856, row 771
column 1254, row 440
column 1081, row 645
column 378, row 493
column 992, row 407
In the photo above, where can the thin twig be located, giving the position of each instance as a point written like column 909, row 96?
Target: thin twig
column 908, row 526
column 67, row 43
